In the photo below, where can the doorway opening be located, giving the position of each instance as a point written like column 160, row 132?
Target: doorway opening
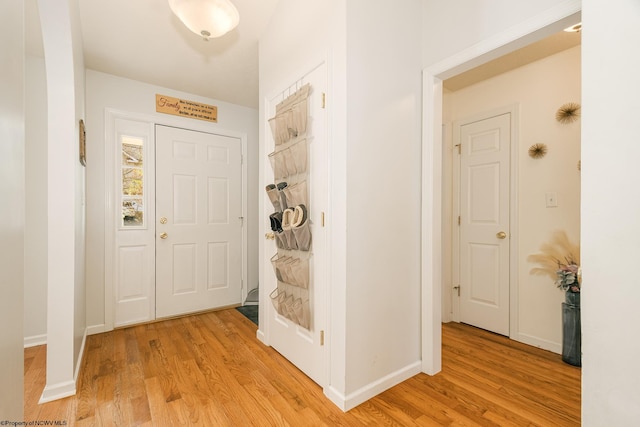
column 434, row 220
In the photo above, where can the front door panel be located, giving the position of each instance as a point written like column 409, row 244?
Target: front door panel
column 198, row 221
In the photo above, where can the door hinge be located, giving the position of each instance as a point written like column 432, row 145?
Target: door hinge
column 321, row 338
column 457, row 288
column 322, row 219
column 324, row 100
column 459, row 146
column 459, row 220
column 242, row 159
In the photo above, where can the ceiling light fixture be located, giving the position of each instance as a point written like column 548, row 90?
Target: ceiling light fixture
column 574, row 28
column 206, row 18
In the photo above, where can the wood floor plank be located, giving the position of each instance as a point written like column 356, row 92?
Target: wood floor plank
column 209, row 369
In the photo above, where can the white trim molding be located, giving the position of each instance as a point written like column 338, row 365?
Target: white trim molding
column 550, row 21
column 373, row 389
column 35, row 340
column 109, row 178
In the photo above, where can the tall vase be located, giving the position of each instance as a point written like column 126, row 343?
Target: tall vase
column 571, row 329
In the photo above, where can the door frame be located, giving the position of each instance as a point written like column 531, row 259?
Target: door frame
column 514, row 112
column 533, row 29
column 110, row 116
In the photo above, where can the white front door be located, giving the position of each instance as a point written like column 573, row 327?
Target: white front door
column 303, row 347
column 198, row 221
column 484, row 223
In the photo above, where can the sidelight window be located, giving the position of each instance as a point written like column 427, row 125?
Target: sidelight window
column 132, row 166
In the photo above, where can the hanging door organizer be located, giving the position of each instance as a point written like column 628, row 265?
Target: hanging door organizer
column 289, row 195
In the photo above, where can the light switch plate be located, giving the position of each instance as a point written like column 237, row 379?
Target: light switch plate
column 552, row 200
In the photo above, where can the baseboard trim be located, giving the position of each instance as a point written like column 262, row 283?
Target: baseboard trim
column 67, row 388
column 35, row 340
column 96, row 329
column 76, row 374
column 538, row 342
column 57, row 391
column 365, row 393
column 261, row 337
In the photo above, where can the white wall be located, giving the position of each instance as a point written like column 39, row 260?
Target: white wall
column 610, row 212
column 464, row 24
column 301, row 35
column 374, row 168
column 539, row 89
column 65, row 178
column 12, row 189
column 36, row 242
column 108, row 91
column 383, row 189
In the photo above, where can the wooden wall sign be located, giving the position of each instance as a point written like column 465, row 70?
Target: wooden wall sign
column 180, row 107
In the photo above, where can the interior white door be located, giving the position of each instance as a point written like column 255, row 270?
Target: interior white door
column 304, row 348
column 484, row 223
column 198, row 221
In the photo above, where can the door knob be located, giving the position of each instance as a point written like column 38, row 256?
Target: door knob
column 270, row 236
column 163, row 235
column 163, row 220
column 501, row 235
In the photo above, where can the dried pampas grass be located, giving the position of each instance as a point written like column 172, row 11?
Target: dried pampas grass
column 559, row 250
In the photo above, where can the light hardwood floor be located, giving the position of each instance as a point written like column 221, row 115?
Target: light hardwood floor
column 210, row 370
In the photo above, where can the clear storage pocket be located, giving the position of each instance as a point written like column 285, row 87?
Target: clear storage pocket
column 301, row 310
column 283, row 197
column 289, row 162
column 274, row 264
column 300, row 273
column 296, row 194
column 302, row 235
column 292, row 303
column 279, row 165
column 283, row 128
column 290, row 238
column 281, row 241
column 273, row 124
column 277, row 297
column 299, row 116
column 299, row 156
column 274, row 196
column 290, row 270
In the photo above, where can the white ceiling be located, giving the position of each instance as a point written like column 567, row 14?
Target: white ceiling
column 535, row 51
column 143, row 40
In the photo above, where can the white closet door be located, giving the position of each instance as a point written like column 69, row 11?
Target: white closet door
column 303, row 347
column 484, row 225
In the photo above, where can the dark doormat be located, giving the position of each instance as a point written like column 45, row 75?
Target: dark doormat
column 250, row 312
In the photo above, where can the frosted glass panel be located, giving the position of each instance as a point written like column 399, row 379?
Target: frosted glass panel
column 132, row 169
